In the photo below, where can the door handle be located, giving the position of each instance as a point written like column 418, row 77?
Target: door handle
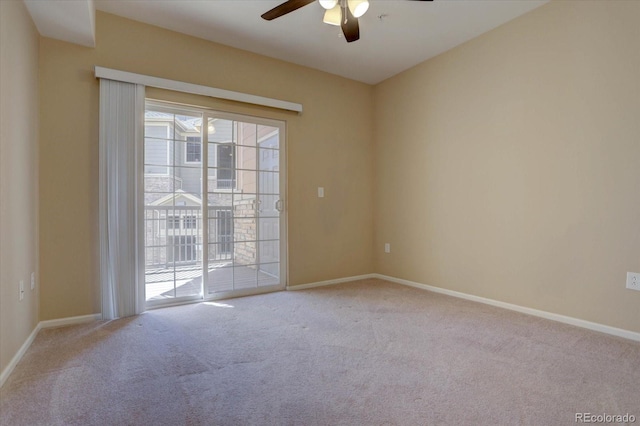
column 279, row 205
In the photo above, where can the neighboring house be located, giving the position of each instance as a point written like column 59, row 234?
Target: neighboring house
column 173, row 227
column 173, row 154
column 237, row 171
column 173, row 187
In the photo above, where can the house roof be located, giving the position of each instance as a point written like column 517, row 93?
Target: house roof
column 188, row 124
column 170, row 198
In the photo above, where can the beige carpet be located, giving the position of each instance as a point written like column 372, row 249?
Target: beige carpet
column 364, row 353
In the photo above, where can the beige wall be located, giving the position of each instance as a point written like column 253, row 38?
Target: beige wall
column 18, row 176
column 504, row 168
column 328, row 145
column 508, row 167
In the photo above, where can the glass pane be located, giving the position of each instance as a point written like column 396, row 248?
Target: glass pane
column 220, row 180
column 269, row 182
column 268, row 137
column 183, row 249
column 244, row 253
column 225, row 156
column 244, row 205
column 189, row 222
column 164, row 199
column 246, row 181
column 245, row 277
column 269, row 251
column 219, row 201
column 221, row 230
column 186, row 125
column 225, row 179
column 159, row 222
column 160, row 183
column 220, row 277
column 246, row 134
column 159, row 284
column 153, row 238
column 159, row 127
column 212, row 154
column 244, row 229
column 267, row 207
column 173, row 206
column 269, row 274
column 152, row 199
column 222, row 163
column 221, row 131
column 212, row 130
column 269, row 227
column 188, row 280
column 187, row 179
column 220, row 253
column 246, row 158
column 189, row 153
column 269, row 160
column 155, row 258
column 156, row 152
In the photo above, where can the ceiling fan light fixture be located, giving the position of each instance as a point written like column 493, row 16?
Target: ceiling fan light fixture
column 358, row 7
column 333, row 16
column 328, row 4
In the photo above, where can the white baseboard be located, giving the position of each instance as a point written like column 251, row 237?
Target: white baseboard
column 70, row 321
column 627, row 334
column 331, row 282
column 42, row 324
column 18, row 356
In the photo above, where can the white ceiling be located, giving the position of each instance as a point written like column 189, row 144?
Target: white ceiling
column 408, row 33
column 66, row 20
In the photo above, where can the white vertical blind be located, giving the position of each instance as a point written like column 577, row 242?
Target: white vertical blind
column 121, row 128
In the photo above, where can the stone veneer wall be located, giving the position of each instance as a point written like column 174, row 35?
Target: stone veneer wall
column 159, row 183
column 245, row 253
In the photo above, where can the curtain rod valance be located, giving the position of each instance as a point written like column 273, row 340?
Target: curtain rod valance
column 181, row 86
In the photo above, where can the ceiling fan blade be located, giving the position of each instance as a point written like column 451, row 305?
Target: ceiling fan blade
column 284, row 8
column 350, row 27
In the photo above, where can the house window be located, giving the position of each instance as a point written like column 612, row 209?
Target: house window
column 173, row 222
column 189, row 222
column 193, row 150
column 226, row 161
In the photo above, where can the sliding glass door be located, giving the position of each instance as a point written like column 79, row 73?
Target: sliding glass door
column 213, row 205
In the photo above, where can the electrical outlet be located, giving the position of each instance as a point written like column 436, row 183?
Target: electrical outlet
column 320, row 192
column 633, row 281
column 33, row 280
column 21, row 289
column 387, row 248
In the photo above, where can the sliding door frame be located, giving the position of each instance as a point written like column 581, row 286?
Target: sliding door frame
column 283, row 242
column 283, row 218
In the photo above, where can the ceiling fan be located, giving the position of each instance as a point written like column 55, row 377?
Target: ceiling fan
column 343, row 13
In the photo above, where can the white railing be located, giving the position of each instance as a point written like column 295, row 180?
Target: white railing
column 173, row 235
